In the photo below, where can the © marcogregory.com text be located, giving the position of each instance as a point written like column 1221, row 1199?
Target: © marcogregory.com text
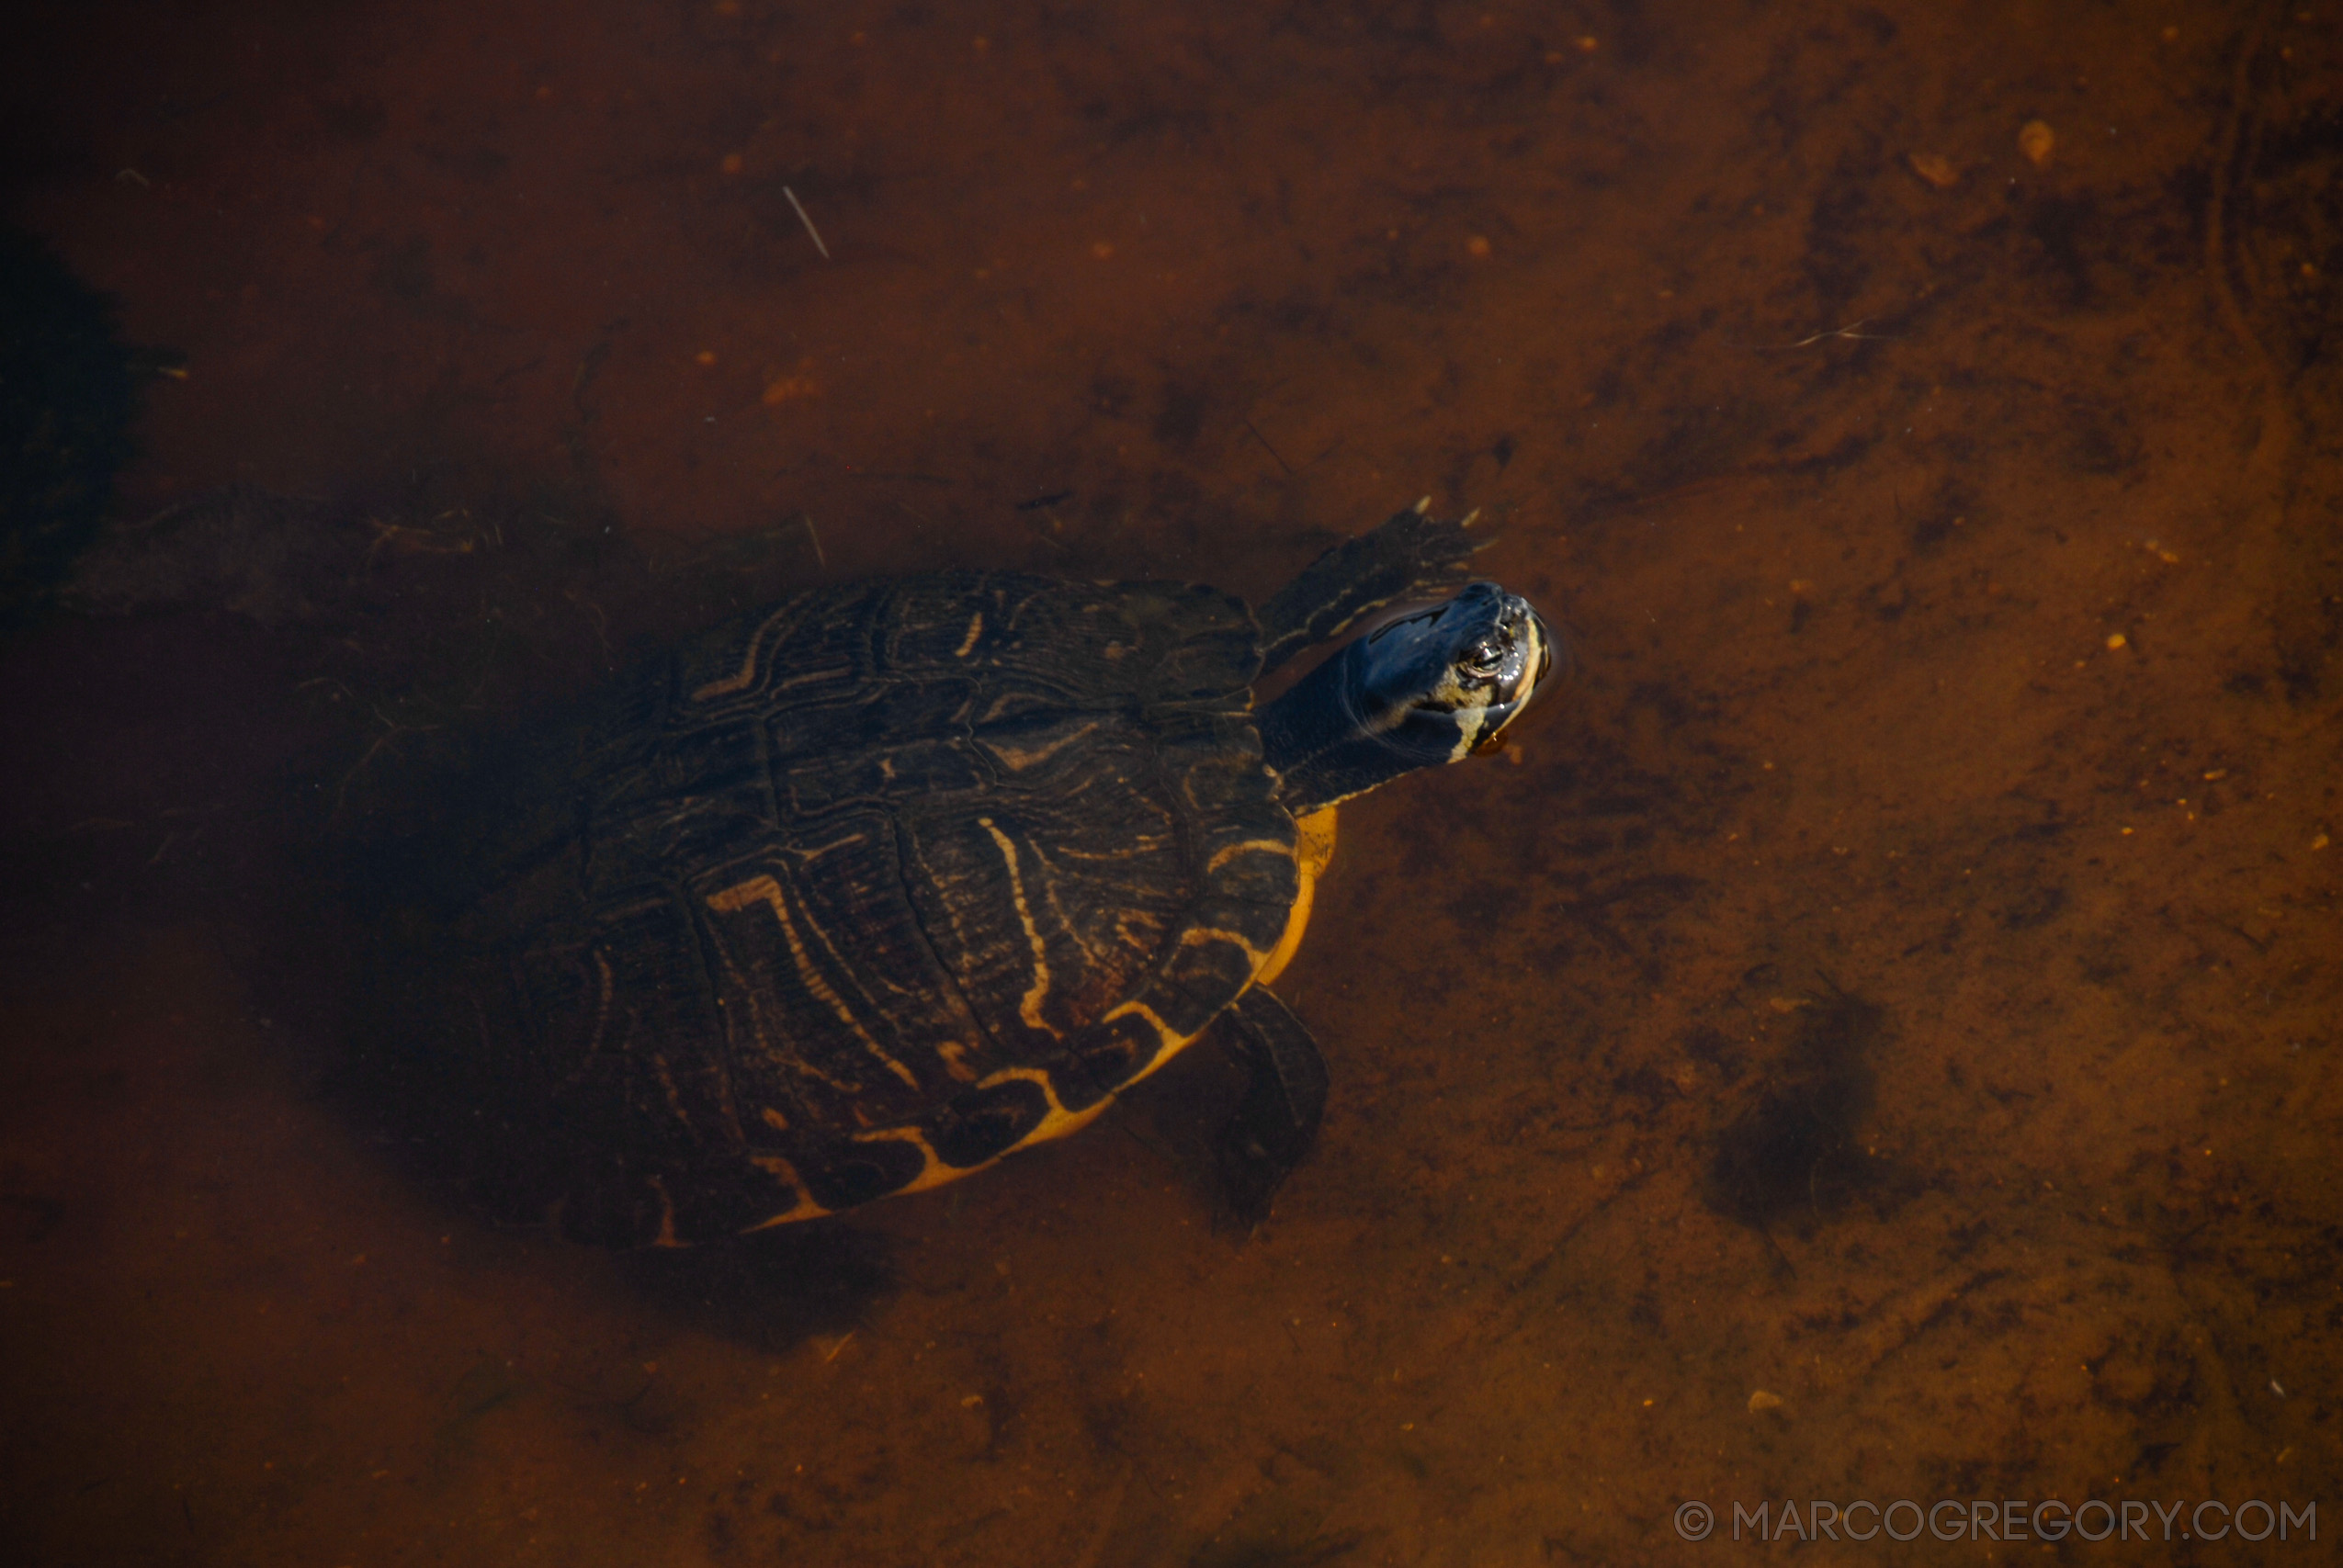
column 1953, row 1518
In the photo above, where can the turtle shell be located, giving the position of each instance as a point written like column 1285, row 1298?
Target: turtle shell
column 856, row 893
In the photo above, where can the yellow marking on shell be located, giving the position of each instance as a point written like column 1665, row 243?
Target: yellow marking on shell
column 1017, row 759
column 975, row 630
column 814, row 677
column 953, row 1054
column 1030, row 1008
column 1049, row 882
column 747, row 675
column 1313, row 842
column 666, row 1237
column 1173, row 1042
column 1314, row 847
column 933, row 1172
column 1141, row 933
column 606, row 988
column 806, row 1209
column 764, row 889
column 751, row 995
column 1197, row 936
column 774, row 1119
column 1313, row 850
column 1056, row 1123
column 1227, row 852
column 1132, row 848
column 667, row 1086
column 781, row 1169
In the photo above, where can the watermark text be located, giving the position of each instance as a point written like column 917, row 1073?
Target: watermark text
column 2006, row 1520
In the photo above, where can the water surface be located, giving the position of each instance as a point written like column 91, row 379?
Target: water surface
column 1873, row 1037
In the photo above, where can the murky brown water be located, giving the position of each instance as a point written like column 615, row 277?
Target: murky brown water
column 1876, row 1038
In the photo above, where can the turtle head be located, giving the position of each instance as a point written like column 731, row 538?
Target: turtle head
column 1431, row 684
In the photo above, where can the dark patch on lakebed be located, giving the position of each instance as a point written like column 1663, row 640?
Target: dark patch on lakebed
column 1795, row 1153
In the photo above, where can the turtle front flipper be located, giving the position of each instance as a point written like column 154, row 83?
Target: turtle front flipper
column 1412, row 555
column 1274, row 1127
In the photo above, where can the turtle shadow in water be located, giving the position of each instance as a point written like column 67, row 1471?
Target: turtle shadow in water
column 1795, row 1153
column 766, row 1290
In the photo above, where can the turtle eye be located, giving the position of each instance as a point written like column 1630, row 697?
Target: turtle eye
column 1483, row 658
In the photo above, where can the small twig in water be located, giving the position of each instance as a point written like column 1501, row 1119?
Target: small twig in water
column 1266, row 446
column 1847, row 331
column 816, row 234
column 820, row 559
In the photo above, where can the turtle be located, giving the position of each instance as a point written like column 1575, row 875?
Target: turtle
column 863, row 890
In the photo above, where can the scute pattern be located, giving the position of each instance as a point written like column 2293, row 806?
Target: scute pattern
column 873, row 885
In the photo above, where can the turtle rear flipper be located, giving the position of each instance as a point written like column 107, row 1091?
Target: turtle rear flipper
column 1411, row 555
column 1274, row 1129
